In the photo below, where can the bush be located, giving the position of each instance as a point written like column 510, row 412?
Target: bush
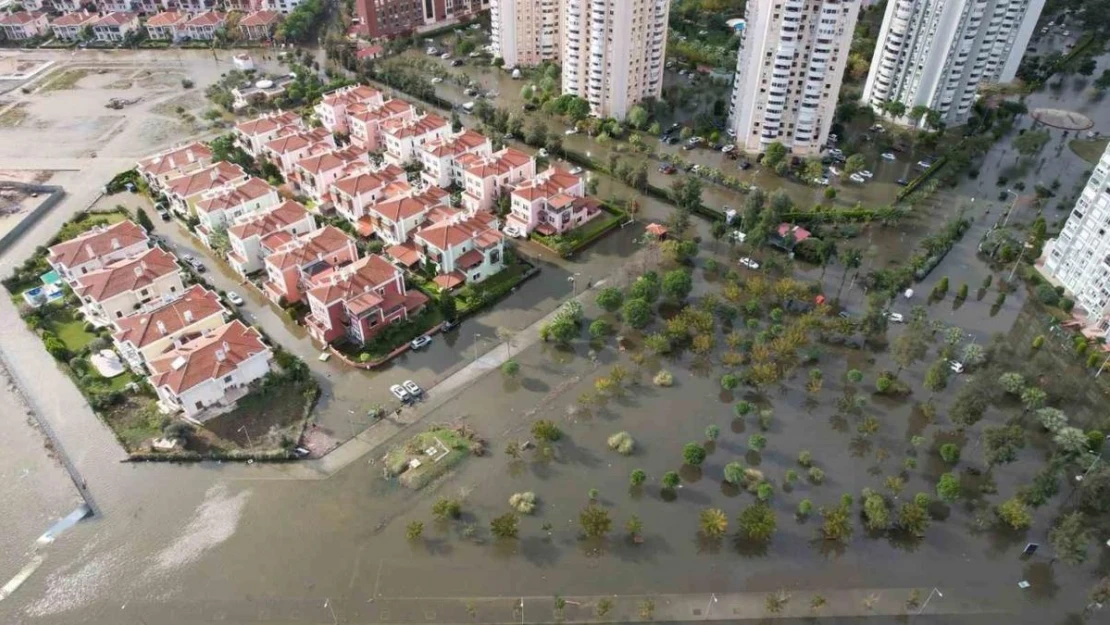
column 805, row 508
column 524, row 503
column 693, row 454
column 670, row 480
column 622, row 443
column 734, row 473
column 816, row 475
column 805, row 458
column 637, row 477
column 1047, row 295
column 600, row 329
column 950, row 453
column 729, row 381
column 446, row 509
column 545, row 430
column 1014, row 513
column 663, row 378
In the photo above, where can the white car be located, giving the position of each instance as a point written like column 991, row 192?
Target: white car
column 749, row 263
column 513, row 231
column 413, row 388
column 436, row 80
column 857, row 178
column 420, row 341
column 445, row 56
column 834, row 171
column 957, row 367
column 575, row 171
column 824, row 182
column 728, row 149
column 866, row 174
column 570, row 131
column 738, row 236
column 234, row 298
column 889, row 156
column 542, row 153
column 895, row 317
column 400, row 393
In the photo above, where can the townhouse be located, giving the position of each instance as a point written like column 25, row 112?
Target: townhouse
column 441, row 157
column 93, row 250
column 252, row 135
column 462, row 248
column 69, row 6
column 356, row 302
column 365, row 126
column 402, row 138
column 117, row 6
column 259, row 25
column 292, row 266
column 203, row 26
column 125, row 286
column 352, row 195
column 167, row 25
column 252, row 237
column 115, row 26
column 24, row 25
column 210, row 372
column 285, row 151
column 145, row 336
column 551, row 203
column 196, row 6
column 395, row 221
column 184, row 191
column 159, row 169
column 335, row 107
column 315, row 174
column 219, row 207
column 68, row 27
column 486, row 179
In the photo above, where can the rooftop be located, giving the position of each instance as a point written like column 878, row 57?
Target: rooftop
column 175, row 158
column 96, row 243
column 232, row 196
column 260, row 18
column 167, row 18
column 208, row 357
column 309, row 248
column 127, row 275
column 216, row 175
column 195, row 303
column 273, row 220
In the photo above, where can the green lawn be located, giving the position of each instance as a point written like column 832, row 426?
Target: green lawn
column 264, row 411
column 394, row 335
column 568, row 243
column 70, row 329
column 491, row 289
column 135, row 421
column 1089, row 150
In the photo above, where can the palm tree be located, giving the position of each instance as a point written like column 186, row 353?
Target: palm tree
column 713, row 523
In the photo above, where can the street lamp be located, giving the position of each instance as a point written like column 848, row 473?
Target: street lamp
column 476, row 337
column 934, row 591
column 1013, row 205
column 573, row 280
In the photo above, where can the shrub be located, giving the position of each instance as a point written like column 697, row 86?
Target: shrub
column 816, row 475
column 756, row 442
column 764, row 491
column 622, row 443
column 545, row 430
column 663, row 378
column 805, row 458
column 670, row 480
column 950, row 453
column 791, row 476
column 729, row 381
column 765, row 418
column 524, row 503
column 510, row 367
column 1014, row 513
column 1046, row 295
column 948, row 487
column 637, row 477
column 505, row 526
column 446, row 508
column 1038, row 341
column 742, row 409
column 734, row 473
column 712, row 432
column 693, row 454
column 600, row 328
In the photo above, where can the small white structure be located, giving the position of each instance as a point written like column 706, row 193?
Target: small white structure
column 243, row 62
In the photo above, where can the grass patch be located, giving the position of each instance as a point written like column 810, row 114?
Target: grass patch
column 394, row 335
column 66, row 80
column 568, row 243
column 271, row 415
column 14, row 116
column 70, row 329
column 473, row 297
column 449, row 445
column 1089, row 150
column 135, row 420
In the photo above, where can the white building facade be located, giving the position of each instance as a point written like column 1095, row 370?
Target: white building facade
column 788, row 72
column 526, row 32
column 613, row 52
column 1079, row 258
column 936, row 53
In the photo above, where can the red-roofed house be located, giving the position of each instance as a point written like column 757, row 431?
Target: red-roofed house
column 203, row 26
column 116, row 6
column 292, row 266
column 220, row 207
column 94, row 249
column 159, row 169
column 128, row 285
column 23, row 25
column 314, row 175
column 145, row 336
column 463, row 248
column 334, row 108
column 351, row 195
column 370, row 52
column 551, row 203
column 115, row 26
column 365, row 126
column 69, row 6
column 259, row 25
column 359, row 300
column 211, row 371
column 148, row 7
column 184, row 191
column 487, row 178
column 287, row 220
column 396, row 220
column 791, row 234
column 68, row 27
column 285, row 151
column 402, row 138
column 441, row 157
column 167, row 25
column 253, row 134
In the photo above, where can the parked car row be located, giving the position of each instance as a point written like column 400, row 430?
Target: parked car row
column 408, row 391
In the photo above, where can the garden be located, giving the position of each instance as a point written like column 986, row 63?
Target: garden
column 572, row 242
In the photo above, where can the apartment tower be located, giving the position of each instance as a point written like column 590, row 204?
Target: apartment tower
column 392, row 18
column 525, row 33
column 788, row 72
column 936, row 53
column 612, row 52
column 1079, row 258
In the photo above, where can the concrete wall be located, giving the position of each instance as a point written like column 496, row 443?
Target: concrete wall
column 54, row 194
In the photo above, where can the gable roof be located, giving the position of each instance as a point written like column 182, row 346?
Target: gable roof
column 195, row 304
column 297, row 141
column 453, row 232
column 208, row 357
column 118, row 18
column 19, row 18
column 76, row 18
column 458, row 144
column 208, row 18
column 330, row 160
column 216, row 175
column 269, row 123
column 126, row 275
column 175, row 158
column 414, row 128
column 232, row 196
column 264, row 17
column 167, row 18
column 96, row 243
column 499, row 163
column 356, row 280
column 309, row 247
column 350, row 95
column 273, row 220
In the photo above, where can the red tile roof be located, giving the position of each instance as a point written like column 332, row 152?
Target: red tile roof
column 237, row 195
column 449, row 280
column 405, row 253
column 167, row 18
column 216, row 175
column 348, row 95
column 297, row 141
column 370, row 51
column 406, row 207
column 127, row 275
column 456, row 145
column 260, row 18
column 269, row 123
column 117, row 19
column 175, row 158
column 208, row 357
column 76, row 18
column 20, row 17
column 451, row 233
column 96, row 243
column 208, row 18
column 330, row 160
column 415, row 128
column 309, row 247
column 500, row 163
column 359, row 183
column 273, row 220
column 359, row 278
column 195, row 304
column 800, row 233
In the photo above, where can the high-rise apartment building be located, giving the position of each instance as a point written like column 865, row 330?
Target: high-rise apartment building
column 390, row 18
column 525, row 32
column 788, row 72
column 936, row 53
column 612, row 52
column 1079, row 258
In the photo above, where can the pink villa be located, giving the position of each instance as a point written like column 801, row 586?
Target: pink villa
column 314, row 175
column 68, row 27
column 203, row 26
column 395, row 221
column 259, row 24
column 23, row 25
column 487, row 178
column 335, row 108
column 184, row 191
column 463, row 247
column 167, row 25
column 442, row 160
column 252, row 135
column 253, row 237
column 354, row 194
column 551, row 203
column 357, row 301
column 365, row 126
column 285, row 151
column 293, row 266
column 403, row 138
column 159, row 169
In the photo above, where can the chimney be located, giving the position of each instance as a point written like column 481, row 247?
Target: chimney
column 189, row 156
column 89, row 250
column 188, row 316
column 161, row 327
column 138, row 270
column 142, row 265
column 215, row 175
column 115, row 243
column 221, row 355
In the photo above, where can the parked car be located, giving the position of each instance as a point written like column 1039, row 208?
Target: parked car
column 450, row 325
column 671, row 140
column 420, row 341
column 575, row 171
column 889, row 156
column 857, row 178
column 834, row 171
column 164, row 214
column 667, row 168
column 956, row 367
column 436, row 80
column 728, row 149
column 235, row 298
column 413, row 388
column 895, row 317
column 902, row 182
column 400, row 393
column 513, row 231
column 570, row 131
column 431, row 51
column 866, row 174
column 737, row 236
column 445, row 56
column 456, row 63
column 692, row 143
column 925, row 163
column 750, row 263
column 824, row 182
column 542, row 153
column 195, row 264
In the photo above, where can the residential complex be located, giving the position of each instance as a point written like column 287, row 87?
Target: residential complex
column 613, row 52
column 788, row 72
column 390, row 18
column 1079, row 257
column 936, row 53
column 526, row 32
